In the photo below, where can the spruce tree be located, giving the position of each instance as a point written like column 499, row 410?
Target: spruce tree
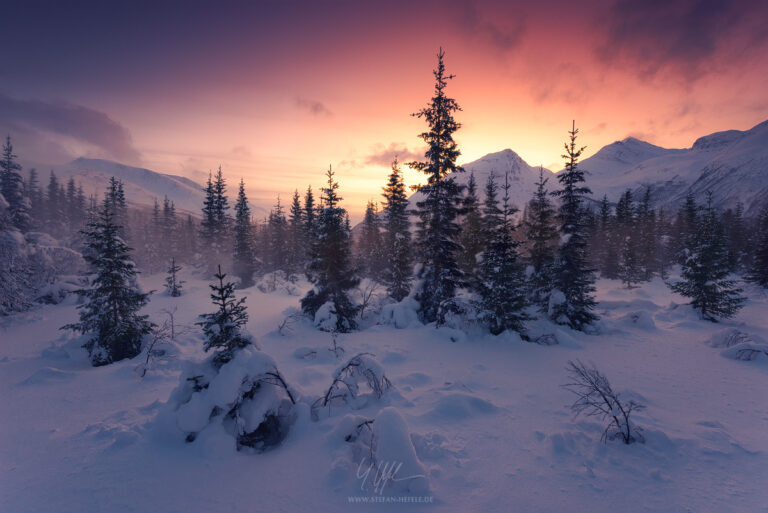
column 501, row 283
column 397, row 238
column 12, row 188
column 542, row 234
column 758, row 272
column 438, row 231
column 208, row 223
column 110, row 313
column 370, row 261
column 647, row 237
column 115, row 200
column 54, row 211
column 705, row 271
column 243, row 254
column 223, row 329
column 297, row 249
column 473, row 234
column 36, row 200
column 626, row 231
column 277, row 242
column 172, row 282
column 330, row 269
column 608, row 261
column 572, row 278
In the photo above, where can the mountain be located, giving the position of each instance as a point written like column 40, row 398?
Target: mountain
column 522, row 176
column 142, row 186
column 732, row 164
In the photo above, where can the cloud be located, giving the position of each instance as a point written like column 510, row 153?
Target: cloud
column 314, row 107
column 383, row 156
column 689, row 38
column 66, row 126
column 502, row 37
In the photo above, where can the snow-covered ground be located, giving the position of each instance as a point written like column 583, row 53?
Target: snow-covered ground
column 489, row 423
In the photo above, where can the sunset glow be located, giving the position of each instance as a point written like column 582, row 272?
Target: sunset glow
column 277, row 91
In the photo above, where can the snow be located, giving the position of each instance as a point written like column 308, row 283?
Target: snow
column 483, row 419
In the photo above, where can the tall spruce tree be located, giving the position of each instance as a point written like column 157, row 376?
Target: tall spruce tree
column 277, row 239
column 438, row 230
column 705, row 271
column 370, row 259
column 626, row 231
column 758, row 271
column 223, row 329
column 574, row 279
column 297, row 249
column 243, row 254
column 397, row 238
column 647, row 237
column 542, row 234
column 12, row 188
column 501, row 283
column 330, row 269
column 110, row 312
column 473, row 235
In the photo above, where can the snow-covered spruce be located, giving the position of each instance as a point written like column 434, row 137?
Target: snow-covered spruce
column 224, row 329
column 247, row 397
column 110, row 314
column 573, row 278
column 345, row 387
column 331, row 268
column 706, row 271
column 596, row 398
column 438, row 231
column 172, row 282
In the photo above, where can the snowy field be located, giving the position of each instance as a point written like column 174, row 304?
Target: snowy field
column 489, row 424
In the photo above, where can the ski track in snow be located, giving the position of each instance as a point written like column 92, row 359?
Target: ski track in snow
column 489, row 420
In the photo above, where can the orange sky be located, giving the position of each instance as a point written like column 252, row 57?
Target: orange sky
column 276, row 92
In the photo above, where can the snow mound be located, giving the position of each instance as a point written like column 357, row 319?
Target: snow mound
column 48, row 375
column 640, row 319
column 277, row 281
column 731, row 337
column 747, row 352
column 247, row 396
column 396, row 456
column 460, row 406
column 401, row 315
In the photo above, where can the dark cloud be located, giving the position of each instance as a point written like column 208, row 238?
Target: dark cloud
column 59, row 123
column 314, row 107
column 503, row 31
column 383, row 156
column 686, row 37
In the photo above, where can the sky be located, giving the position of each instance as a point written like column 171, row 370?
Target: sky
column 276, row 91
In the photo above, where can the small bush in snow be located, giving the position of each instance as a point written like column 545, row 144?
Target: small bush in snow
column 345, row 387
column 596, row 398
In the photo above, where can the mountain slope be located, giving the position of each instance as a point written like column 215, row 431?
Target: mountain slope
column 142, row 186
column 733, row 165
column 522, row 176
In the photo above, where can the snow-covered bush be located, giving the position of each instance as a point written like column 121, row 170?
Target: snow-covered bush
column 277, row 281
column 345, row 387
column 597, row 398
column 739, row 345
column 400, row 315
column 246, row 396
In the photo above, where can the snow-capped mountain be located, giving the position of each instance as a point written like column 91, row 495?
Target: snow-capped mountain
column 522, row 176
column 142, row 186
column 733, row 165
